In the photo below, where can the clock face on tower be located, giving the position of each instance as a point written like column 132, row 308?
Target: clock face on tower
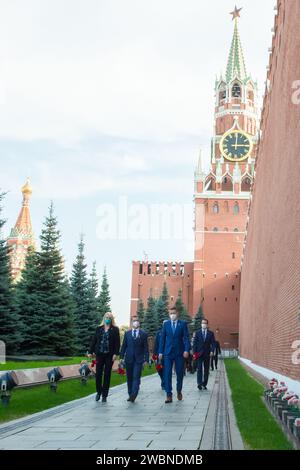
column 236, row 146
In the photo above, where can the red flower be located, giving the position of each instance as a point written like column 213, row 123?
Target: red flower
column 196, row 356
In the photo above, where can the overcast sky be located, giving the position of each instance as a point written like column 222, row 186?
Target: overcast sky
column 107, row 102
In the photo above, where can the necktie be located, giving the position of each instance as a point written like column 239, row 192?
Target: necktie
column 173, row 326
column 204, row 334
column 134, row 334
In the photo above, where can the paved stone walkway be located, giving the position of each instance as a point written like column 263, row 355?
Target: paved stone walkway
column 117, row 424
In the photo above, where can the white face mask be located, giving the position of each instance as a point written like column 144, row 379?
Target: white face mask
column 135, row 325
column 173, row 316
column 204, row 326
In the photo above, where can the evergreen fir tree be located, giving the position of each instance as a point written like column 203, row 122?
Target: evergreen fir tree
column 56, row 308
column 28, row 305
column 141, row 312
column 104, row 297
column 196, row 324
column 165, row 299
column 10, row 326
column 183, row 313
column 84, row 315
column 93, row 306
column 161, row 312
column 180, row 305
column 150, row 321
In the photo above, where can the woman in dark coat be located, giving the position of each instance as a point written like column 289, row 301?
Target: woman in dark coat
column 105, row 345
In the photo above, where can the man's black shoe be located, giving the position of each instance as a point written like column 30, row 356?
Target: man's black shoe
column 204, row 388
column 199, row 387
column 104, row 400
column 97, row 398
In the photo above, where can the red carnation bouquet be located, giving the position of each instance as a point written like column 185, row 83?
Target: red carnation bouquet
column 121, row 368
column 196, row 356
column 158, row 365
column 92, row 366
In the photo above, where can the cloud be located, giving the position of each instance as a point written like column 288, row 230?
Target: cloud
column 102, row 164
column 133, row 69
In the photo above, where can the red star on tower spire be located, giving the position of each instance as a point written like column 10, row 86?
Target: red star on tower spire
column 236, row 13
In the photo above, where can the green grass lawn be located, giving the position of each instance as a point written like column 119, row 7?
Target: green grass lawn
column 25, row 401
column 10, row 365
column 258, row 428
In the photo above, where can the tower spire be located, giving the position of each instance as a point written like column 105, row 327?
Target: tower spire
column 236, row 63
column 199, row 169
column 21, row 236
column 23, row 224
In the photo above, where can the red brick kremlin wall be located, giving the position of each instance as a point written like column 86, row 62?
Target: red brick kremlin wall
column 270, row 279
column 148, row 279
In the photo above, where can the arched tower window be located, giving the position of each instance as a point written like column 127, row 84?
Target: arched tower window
column 250, row 95
column 216, row 208
column 236, row 90
column 210, row 183
column 246, row 184
column 222, row 93
column 227, row 184
column 222, row 96
column 236, row 208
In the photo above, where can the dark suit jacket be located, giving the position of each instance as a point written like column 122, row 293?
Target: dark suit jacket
column 217, row 349
column 174, row 344
column 114, row 340
column 157, row 341
column 204, row 348
column 135, row 350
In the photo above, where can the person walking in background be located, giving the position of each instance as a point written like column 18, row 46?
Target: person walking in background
column 105, row 344
column 159, row 364
column 135, row 351
column 203, row 347
column 214, row 359
column 174, row 347
column 194, row 362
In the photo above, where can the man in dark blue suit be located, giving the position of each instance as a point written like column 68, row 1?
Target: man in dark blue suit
column 136, row 353
column 174, row 346
column 203, row 349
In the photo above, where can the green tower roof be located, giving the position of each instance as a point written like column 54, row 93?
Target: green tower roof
column 236, row 63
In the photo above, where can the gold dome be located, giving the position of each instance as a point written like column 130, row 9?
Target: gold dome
column 27, row 188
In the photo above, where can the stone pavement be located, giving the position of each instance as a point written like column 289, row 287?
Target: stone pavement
column 117, row 424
